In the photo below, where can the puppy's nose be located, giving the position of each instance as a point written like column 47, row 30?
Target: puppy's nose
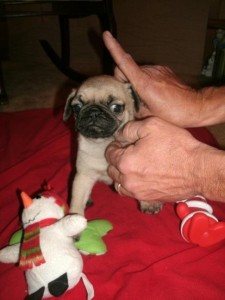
column 95, row 112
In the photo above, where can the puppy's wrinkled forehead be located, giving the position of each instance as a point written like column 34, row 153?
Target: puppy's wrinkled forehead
column 101, row 88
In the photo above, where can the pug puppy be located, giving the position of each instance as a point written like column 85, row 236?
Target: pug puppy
column 101, row 107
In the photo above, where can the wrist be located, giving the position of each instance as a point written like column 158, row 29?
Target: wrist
column 211, row 106
column 209, row 173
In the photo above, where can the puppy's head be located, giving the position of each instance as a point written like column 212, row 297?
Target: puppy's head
column 101, row 105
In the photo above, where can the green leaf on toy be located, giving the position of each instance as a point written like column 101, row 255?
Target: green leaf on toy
column 16, row 238
column 91, row 241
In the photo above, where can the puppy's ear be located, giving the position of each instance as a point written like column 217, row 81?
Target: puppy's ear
column 134, row 96
column 67, row 109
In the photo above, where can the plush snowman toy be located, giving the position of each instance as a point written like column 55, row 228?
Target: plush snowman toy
column 47, row 253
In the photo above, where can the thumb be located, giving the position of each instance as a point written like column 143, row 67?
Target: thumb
column 114, row 152
column 132, row 132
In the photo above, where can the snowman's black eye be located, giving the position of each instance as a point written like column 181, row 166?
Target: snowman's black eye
column 38, row 196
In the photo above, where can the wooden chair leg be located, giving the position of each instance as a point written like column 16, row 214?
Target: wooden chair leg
column 65, row 39
column 107, row 61
column 57, row 61
column 62, row 62
column 107, row 22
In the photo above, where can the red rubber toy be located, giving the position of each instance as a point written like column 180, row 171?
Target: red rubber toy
column 199, row 226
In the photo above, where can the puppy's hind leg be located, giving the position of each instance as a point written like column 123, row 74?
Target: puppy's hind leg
column 81, row 190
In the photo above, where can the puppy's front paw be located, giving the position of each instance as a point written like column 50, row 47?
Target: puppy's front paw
column 151, row 207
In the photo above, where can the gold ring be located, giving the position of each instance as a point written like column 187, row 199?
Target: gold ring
column 118, row 188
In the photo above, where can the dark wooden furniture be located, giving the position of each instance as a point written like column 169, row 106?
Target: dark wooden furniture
column 65, row 10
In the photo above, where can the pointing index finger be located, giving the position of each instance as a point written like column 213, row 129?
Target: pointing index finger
column 123, row 60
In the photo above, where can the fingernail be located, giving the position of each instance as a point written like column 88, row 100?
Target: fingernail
column 108, row 33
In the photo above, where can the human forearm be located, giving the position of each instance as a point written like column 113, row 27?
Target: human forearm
column 212, row 108
column 195, row 108
column 209, row 173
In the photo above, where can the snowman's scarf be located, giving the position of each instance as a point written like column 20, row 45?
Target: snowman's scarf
column 31, row 254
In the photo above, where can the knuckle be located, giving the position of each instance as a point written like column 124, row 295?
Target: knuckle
column 127, row 56
column 152, row 121
column 128, row 184
column 124, row 165
column 127, row 128
column 126, row 59
column 110, row 170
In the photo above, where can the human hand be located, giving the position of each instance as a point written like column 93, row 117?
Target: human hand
column 163, row 94
column 162, row 162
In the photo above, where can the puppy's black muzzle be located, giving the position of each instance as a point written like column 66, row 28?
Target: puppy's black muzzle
column 96, row 121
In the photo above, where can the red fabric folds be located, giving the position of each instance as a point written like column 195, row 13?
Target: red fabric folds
column 146, row 258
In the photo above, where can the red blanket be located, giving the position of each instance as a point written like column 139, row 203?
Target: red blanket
column 146, row 258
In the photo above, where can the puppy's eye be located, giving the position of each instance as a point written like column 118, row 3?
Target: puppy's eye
column 117, row 108
column 77, row 107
